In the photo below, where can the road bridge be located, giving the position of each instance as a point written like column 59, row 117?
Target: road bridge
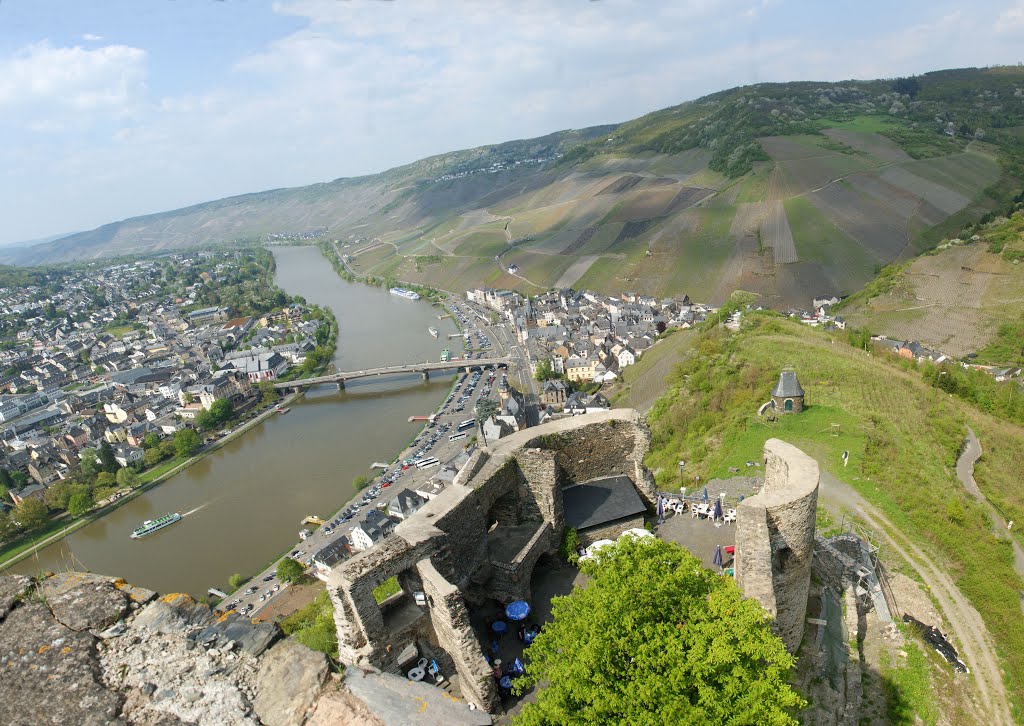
column 424, row 369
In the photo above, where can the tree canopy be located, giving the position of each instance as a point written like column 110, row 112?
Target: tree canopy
column 186, row 442
column 31, row 513
column 288, row 570
column 654, row 638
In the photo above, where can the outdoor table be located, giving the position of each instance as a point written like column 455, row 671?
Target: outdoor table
column 499, row 627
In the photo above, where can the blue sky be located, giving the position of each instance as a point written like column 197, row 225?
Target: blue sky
column 123, row 107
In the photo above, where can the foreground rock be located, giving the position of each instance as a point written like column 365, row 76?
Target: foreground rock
column 79, row 649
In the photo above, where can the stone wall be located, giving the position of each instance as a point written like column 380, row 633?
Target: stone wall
column 516, row 483
column 775, row 538
column 610, row 530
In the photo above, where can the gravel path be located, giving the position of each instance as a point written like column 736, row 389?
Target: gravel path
column 965, row 473
column 967, row 627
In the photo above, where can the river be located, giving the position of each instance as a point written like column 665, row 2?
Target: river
column 244, row 502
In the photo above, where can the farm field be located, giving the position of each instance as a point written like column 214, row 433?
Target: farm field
column 953, row 301
column 642, row 383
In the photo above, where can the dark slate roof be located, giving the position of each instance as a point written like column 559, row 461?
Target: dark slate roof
column 601, row 501
column 788, row 385
column 333, row 553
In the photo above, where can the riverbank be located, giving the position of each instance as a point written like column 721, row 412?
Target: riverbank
column 27, row 549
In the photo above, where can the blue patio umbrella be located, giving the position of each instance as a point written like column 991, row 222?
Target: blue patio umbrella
column 705, row 494
column 718, row 509
column 518, row 610
column 717, row 559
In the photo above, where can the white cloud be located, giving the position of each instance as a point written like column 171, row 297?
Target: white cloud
column 42, row 86
column 92, row 37
column 1011, row 20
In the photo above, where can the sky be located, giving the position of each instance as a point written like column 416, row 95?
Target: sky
column 124, row 107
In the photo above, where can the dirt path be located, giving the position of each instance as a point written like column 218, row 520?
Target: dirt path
column 965, row 473
column 965, row 624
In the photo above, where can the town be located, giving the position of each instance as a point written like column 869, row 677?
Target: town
column 126, row 368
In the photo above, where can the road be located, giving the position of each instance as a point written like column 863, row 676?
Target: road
column 968, row 629
column 256, row 594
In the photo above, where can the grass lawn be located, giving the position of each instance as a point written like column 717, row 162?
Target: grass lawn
column 866, row 124
column 903, row 436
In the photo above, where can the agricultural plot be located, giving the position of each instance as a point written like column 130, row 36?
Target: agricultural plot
column 944, row 198
column 575, row 271
column 952, row 301
column 876, row 145
column 748, row 219
column 543, row 219
column 682, row 165
column 898, row 200
column 967, row 173
column 644, row 204
column 877, row 228
column 843, row 262
column 621, row 184
column 803, row 175
column 594, row 239
column 482, row 244
column 776, row 234
column 542, row 270
column 686, row 198
column 785, row 148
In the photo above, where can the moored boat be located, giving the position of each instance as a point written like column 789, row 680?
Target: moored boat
column 152, row 525
column 407, row 294
column 433, row 331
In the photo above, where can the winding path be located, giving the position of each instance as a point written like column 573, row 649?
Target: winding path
column 964, row 621
column 965, row 473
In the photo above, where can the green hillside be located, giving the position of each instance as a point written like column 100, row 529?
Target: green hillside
column 964, row 298
column 789, row 190
column 903, row 436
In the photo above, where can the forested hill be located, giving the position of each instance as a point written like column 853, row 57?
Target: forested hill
column 787, row 190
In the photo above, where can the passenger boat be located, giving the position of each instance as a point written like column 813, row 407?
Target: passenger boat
column 433, row 331
column 407, row 294
column 152, row 525
column 281, row 409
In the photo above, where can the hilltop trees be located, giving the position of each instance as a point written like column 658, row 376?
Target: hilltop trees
column 655, row 638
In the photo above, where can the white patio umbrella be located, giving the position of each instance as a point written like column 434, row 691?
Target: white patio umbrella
column 592, row 549
column 636, row 533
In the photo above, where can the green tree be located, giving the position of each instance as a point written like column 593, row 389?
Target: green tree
column 222, row 410
column 186, row 443
column 545, row 371
column 656, row 638
column 361, row 482
column 128, row 477
column 57, row 495
column 168, row 448
column 5, row 479
column 268, row 394
column 105, row 480
column 150, row 441
column 206, row 420
column 236, row 581
column 288, row 570
column 8, row 527
column 88, row 465
column 80, row 503
column 154, row 456
column 31, row 513
column 482, row 413
column 109, row 463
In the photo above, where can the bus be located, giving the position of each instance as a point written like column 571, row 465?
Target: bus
column 456, row 437
column 427, row 463
column 467, row 424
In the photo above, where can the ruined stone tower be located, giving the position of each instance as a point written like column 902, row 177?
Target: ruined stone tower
column 775, row 538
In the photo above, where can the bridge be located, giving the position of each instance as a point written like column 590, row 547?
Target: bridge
column 424, row 369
